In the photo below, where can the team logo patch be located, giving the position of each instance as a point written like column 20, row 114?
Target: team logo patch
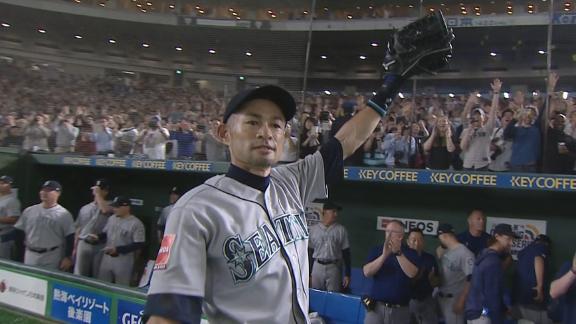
column 164, row 252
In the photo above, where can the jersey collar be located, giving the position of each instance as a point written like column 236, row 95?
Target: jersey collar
column 247, row 178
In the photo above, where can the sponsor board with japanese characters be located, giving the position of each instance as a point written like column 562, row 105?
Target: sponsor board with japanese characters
column 74, row 305
column 24, row 292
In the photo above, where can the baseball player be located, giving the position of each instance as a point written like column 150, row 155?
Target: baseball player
column 48, row 230
column 91, row 220
column 236, row 246
column 485, row 303
column 329, row 246
column 124, row 235
column 422, row 304
column 456, row 266
column 175, row 193
column 530, row 286
column 9, row 213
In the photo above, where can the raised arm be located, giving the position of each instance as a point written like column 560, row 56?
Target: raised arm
column 496, row 86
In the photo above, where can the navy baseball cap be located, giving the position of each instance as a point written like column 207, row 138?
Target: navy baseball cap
column 277, row 95
column 103, row 184
column 52, row 185
column 329, row 205
column 444, row 228
column 121, row 201
column 543, row 238
column 505, row 229
column 6, row 179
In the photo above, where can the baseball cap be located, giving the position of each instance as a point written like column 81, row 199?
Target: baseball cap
column 121, row 201
column 505, row 229
column 277, row 95
column 52, row 185
column 444, row 228
column 6, row 179
column 103, row 184
column 176, row 190
column 543, row 238
column 329, row 205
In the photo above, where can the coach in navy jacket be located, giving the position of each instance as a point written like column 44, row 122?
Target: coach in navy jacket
column 485, row 300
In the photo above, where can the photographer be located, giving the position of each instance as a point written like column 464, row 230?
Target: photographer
column 439, row 147
column 373, row 149
column 66, row 134
column 310, row 138
column 153, row 140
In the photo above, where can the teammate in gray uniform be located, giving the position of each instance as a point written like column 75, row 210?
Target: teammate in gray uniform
column 48, row 230
column 236, row 246
column 91, row 220
column 175, row 193
column 456, row 266
column 9, row 213
column 124, row 235
column 330, row 250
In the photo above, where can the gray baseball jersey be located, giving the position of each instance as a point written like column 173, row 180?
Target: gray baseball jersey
column 120, row 231
column 45, row 227
column 90, row 220
column 88, row 256
column 9, row 206
column 164, row 215
column 455, row 266
column 124, row 230
column 328, row 242
column 243, row 250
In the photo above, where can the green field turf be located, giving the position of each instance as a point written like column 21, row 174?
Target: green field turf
column 9, row 316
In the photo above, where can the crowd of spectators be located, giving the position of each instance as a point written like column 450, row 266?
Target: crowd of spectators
column 46, row 110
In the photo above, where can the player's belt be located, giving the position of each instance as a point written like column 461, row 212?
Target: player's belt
column 391, row 305
column 91, row 242
column 37, row 250
column 325, row 262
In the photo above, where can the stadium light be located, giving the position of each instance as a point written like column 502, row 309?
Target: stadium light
column 374, row 44
column 323, row 57
column 362, row 57
column 326, row 92
column 248, row 54
column 112, row 41
column 77, row 36
column 541, row 52
column 493, row 54
column 145, row 45
column 42, row 31
column 6, row 25
column 451, row 95
column 179, row 49
column 211, row 51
